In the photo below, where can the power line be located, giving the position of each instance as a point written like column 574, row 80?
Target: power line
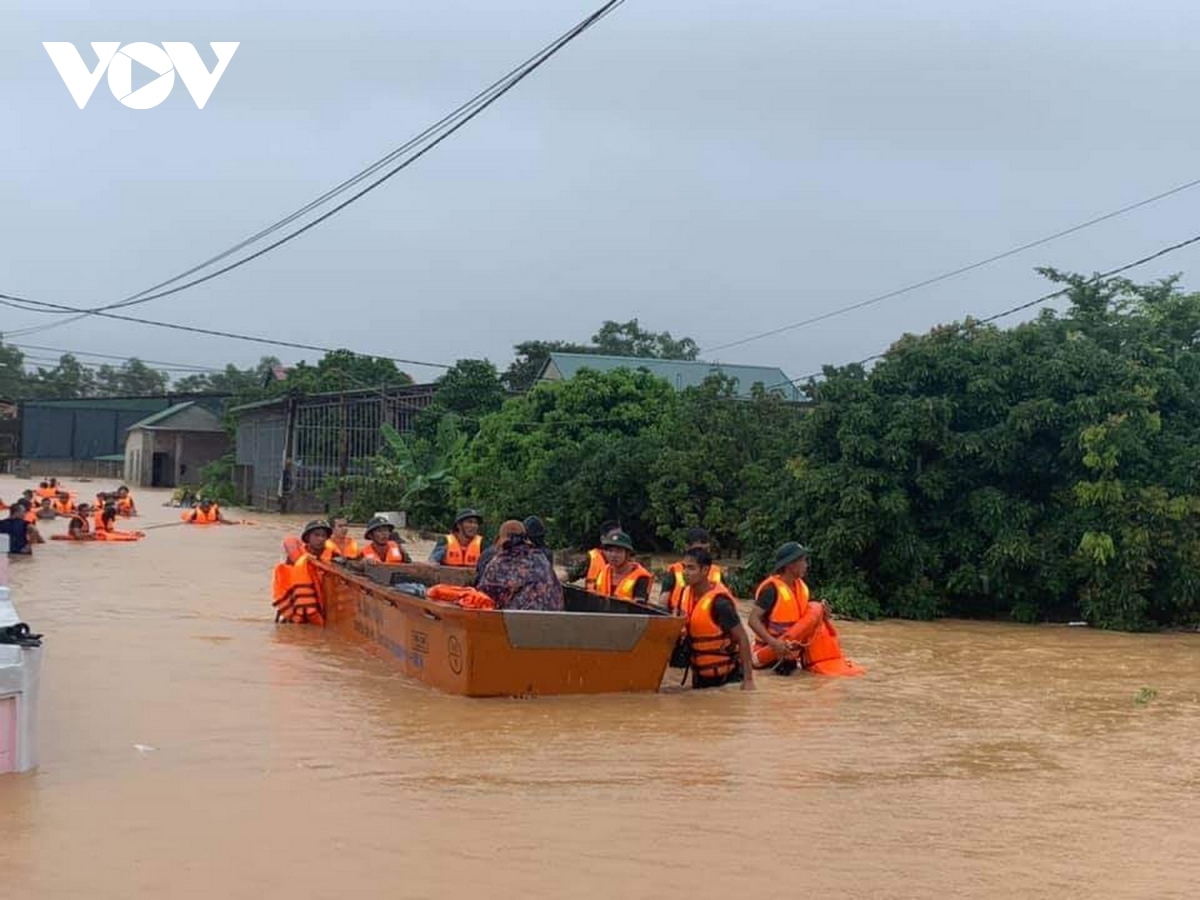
column 476, row 106
column 156, row 362
column 959, row 271
column 15, row 302
column 1045, row 298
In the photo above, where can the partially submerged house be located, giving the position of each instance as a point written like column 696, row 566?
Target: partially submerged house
column 170, row 447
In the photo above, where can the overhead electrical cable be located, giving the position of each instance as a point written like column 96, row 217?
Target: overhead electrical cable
column 1037, row 301
column 447, row 126
column 842, row 310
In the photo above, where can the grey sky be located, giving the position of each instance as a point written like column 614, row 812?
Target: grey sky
column 714, row 169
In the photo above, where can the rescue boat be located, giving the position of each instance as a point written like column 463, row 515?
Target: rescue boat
column 596, row 645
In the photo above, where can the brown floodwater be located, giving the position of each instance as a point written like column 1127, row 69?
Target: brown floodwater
column 192, row 749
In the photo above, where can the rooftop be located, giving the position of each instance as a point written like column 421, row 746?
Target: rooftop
column 680, row 373
column 186, row 416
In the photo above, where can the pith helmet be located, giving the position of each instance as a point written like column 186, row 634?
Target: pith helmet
column 787, row 554
column 313, row 526
column 618, row 539
column 378, row 522
column 464, row 514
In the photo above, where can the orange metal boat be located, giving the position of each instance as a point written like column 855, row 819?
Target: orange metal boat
column 598, row 645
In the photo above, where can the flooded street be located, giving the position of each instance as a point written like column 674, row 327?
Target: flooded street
column 192, row 749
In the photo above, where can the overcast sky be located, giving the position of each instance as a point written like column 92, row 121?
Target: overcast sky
column 714, row 169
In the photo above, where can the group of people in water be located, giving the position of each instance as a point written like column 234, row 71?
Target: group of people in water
column 86, row 520
column 788, row 630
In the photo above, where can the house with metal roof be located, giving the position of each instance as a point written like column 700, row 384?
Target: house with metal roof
column 680, row 374
column 171, row 446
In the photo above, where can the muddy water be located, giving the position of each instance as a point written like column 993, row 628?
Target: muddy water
column 191, row 749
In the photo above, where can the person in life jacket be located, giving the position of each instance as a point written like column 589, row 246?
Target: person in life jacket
column 296, row 588
column 718, row 643
column 791, row 630
column 125, row 505
column 45, row 490
column 383, row 546
column 590, row 567
column 463, row 545
column 206, row 513
column 673, row 582
column 78, row 528
column 104, row 526
column 624, row 577
column 63, row 504
column 340, row 543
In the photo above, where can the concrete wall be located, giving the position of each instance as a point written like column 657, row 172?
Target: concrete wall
column 187, row 453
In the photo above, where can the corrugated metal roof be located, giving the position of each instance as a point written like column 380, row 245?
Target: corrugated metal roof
column 181, row 417
column 680, row 374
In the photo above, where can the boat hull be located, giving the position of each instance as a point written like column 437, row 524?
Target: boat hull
column 611, row 647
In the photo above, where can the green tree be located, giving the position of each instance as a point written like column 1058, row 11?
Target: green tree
column 12, row 372
column 574, row 452
column 613, row 339
column 717, row 459
column 67, row 380
column 131, row 378
column 465, row 393
column 1038, row 472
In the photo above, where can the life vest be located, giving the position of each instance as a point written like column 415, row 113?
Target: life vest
column 457, row 556
column 111, row 535
column 46, row 492
column 822, row 651
column 596, row 565
column 714, row 653
column 790, row 605
column 98, row 521
column 624, row 589
column 348, row 550
column 674, row 601
column 125, row 506
column 296, row 593
column 393, row 554
column 198, row 516
column 83, row 524
column 62, row 507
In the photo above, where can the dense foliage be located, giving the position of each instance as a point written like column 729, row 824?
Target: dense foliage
column 1045, row 471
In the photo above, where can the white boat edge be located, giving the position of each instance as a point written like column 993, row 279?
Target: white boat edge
column 20, row 673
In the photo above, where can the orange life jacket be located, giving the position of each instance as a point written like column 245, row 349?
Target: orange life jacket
column 197, row 516
column 674, row 601
column 624, row 590
column 393, row 554
column 83, row 524
column 791, row 603
column 46, row 492
column 456, row 555
column 822, row 651
column 98, row 521
column 348, row 550
column 125, row 505
column 596, row 564
column 296, row 593
column 714, row 653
